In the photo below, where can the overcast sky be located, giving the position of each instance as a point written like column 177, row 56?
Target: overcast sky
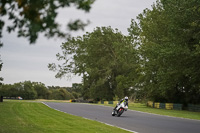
column 22, row 61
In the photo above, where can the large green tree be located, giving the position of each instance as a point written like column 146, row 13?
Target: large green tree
column 23, row 89
column 40, row 88
column 169, row 50
column 28, row 91
column 105, row 59
column 60, row 94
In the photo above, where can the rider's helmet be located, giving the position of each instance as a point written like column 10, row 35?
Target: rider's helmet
column 126, row 98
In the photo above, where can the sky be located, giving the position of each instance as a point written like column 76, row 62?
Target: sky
column 28, row 62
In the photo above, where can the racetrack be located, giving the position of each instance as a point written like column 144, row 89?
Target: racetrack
column 131, row 120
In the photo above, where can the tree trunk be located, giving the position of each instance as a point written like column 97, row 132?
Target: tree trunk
column 1, row 98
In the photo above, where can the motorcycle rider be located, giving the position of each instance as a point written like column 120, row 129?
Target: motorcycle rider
column 125, row 100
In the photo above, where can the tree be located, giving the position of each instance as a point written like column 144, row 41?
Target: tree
column 31, row 17
column 61, row 94
column 77, row 87
column 77, row 90
column 1, row 79
column 41, row 90
column 28, row 91
column 100, row 57
column 169, row 50
column 8, row 90
column 1, row 65
column 33, row 90
column 2, row 92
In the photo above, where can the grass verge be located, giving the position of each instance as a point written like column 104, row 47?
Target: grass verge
column 35, row 117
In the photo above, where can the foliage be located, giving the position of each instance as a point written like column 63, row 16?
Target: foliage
column 77, row 90
column 105, row 58
column 169, row 48
column 33, row 90
column 40, row 88
column 61, row 94
column 31, row 17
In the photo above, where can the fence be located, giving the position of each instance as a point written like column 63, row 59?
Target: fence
column 168, row 106
column 107, row 102
column 156, row 105
column 150, row 104
column 192, row 107
column 177, row 106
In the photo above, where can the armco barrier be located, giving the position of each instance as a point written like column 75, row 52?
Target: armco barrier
column 115, row 102
column 174, row 106
column 177, row 106
column 169, row 106
column 110, row 102
column 162, row 106
column 157, row 105
column 105, row 102
column 150, row 104
column 192, row 107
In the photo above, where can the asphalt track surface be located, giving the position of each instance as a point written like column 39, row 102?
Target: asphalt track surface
column 131, row 120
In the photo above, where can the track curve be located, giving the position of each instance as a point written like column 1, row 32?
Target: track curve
column 131, row 120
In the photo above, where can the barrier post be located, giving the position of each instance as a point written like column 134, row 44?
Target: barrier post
column 157, row 105
column 105, row 102
column 169, row 106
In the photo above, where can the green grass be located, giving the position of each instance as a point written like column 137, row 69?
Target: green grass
column 175, row 113
column 35, row 117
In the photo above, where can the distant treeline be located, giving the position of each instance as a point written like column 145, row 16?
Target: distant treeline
column 36, row 90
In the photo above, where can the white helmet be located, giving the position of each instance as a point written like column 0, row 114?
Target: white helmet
column 126, row 98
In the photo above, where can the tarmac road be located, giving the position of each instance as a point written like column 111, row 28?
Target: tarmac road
column 131, row 120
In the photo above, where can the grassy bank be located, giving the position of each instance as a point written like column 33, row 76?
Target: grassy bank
column 34, row 117
column 175, row 113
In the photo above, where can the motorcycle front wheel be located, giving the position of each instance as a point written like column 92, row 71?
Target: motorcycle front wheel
column 120, row 112
column 113, row 113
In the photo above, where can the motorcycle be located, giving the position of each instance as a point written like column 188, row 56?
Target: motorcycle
column 119, row 110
